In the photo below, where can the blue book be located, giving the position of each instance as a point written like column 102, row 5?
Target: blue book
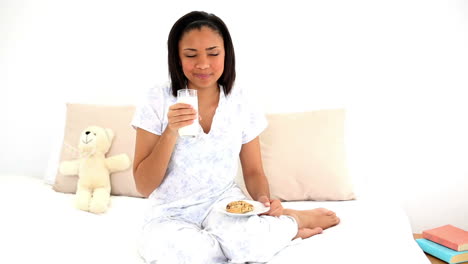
column 444, row 253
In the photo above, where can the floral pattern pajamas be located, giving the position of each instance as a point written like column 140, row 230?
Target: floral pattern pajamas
column 182, row 224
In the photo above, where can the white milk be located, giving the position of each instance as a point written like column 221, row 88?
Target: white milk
column 193, row 129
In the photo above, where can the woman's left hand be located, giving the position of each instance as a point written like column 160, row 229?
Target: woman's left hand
column 276, row 209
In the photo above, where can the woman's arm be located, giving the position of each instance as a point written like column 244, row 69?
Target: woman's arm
column 252, row 169
column 153, row 152
column 255, row 179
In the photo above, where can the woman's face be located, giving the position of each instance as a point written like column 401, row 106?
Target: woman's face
column 201, row 54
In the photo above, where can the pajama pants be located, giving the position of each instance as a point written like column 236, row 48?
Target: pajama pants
column 200, row 234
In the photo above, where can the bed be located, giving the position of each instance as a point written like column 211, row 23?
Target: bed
column 40, row 225
column 304, row 158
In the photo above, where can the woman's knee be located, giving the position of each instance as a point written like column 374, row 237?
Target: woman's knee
column 181, row 245
column 257, row 239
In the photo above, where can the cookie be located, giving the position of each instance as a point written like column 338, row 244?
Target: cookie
column 239, row 207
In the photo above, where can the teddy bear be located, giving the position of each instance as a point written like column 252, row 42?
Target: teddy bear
column 94, row 169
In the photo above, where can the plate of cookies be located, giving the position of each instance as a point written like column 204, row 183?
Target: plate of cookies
column 243, row 208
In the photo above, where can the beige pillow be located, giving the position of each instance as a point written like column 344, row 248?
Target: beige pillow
column 304, row 156
column 115, row 117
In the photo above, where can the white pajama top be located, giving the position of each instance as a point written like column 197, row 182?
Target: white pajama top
column 200, row 169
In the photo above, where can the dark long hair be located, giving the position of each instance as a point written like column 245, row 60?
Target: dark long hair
column 197, row 20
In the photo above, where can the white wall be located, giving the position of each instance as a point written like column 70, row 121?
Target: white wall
column 399, row 67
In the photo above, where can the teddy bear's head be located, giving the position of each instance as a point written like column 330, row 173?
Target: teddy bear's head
column 95, row 139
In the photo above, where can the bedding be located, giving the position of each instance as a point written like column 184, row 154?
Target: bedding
column 40, row 225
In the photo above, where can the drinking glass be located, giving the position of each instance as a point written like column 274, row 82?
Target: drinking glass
column 189, row 96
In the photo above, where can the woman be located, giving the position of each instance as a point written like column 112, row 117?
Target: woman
column 185, row 178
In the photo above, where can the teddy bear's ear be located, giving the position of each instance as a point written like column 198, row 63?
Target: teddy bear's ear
column 109, row 133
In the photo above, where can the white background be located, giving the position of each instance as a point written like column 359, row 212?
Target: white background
column 399, row 67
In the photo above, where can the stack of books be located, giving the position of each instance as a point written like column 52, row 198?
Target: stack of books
column 448, row 243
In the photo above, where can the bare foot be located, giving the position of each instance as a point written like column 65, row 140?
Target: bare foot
column 308, row 232
column 319, row 217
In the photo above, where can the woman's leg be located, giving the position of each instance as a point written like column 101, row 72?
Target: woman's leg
column 319, row 218
column 253, row 238
column 259, row 238
column 175, row 241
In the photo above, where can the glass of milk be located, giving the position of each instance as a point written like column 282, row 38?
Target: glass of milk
column 189, row 96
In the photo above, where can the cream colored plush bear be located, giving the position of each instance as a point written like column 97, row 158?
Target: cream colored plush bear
column 94, row 169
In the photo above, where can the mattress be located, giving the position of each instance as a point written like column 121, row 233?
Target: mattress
column 41, row 225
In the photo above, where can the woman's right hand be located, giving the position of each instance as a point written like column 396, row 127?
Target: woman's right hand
column 180, row 115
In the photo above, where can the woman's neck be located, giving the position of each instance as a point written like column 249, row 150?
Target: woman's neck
column 208, row 96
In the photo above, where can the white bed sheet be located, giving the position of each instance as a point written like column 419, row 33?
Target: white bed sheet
column 39, row 225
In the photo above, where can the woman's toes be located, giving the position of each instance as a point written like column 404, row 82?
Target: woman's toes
column 316, row 230
column 325, row 211
column 330, row 213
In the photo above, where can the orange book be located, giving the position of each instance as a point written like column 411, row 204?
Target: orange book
column 449, row 236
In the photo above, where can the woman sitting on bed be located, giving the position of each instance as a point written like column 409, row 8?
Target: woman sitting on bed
column 185, row 178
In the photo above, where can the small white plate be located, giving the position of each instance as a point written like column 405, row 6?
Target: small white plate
column 259, row 208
